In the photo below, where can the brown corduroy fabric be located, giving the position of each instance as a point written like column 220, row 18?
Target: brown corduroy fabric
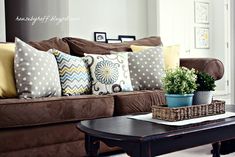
column 37, row 136
column 69, row 149
column 79, row 47
column 31, row 112
column 212, row 66
column 55, row 43
column 138, row 101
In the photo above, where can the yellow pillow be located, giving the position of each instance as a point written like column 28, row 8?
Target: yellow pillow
column 7, row 79
column 136, row 48
column 171, row 54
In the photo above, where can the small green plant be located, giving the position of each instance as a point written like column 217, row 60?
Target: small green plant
column 180, row 81
column 205, row 82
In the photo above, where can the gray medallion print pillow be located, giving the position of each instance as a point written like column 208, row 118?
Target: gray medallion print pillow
column 110, row 73
column 36, row 72
column 146, row 69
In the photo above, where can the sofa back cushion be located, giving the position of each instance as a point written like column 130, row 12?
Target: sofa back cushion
column 7, row 80
column 79, row 46
column 55, row 43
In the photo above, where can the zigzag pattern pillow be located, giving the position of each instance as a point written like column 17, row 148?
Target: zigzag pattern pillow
column 74, row 74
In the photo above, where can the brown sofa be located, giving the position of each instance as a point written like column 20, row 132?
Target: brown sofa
column 46, row 127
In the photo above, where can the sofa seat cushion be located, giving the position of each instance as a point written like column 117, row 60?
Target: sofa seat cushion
column 44, row 137
column 29, row 112
column 138, row 101
column 38, row 136
column 65, row 149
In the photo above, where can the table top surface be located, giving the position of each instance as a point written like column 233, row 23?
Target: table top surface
column 122, row 127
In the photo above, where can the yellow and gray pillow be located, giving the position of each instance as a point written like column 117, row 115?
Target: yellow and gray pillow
column 74, row 74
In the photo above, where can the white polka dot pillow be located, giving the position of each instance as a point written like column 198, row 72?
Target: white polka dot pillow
column 110, row 73
column 36, row 72
column 146, row 69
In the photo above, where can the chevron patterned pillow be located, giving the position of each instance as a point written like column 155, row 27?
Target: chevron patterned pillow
column 74, row 74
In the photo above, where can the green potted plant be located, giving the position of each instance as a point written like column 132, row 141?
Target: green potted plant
column 179, row 85
column 205, row 86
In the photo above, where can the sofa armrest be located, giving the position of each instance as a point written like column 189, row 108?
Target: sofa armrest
column 212, row 66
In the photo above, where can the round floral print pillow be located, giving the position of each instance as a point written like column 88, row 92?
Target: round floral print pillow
column 110, row 73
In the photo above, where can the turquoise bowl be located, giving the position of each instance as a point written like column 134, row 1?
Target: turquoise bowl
column 177, row 100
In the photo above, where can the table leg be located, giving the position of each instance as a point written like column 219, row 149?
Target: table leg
column 92, row 145
column 146, row 149
column 133, row 149
column 142, row 150
column 216, row 149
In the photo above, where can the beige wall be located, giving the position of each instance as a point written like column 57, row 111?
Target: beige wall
column 219, row 39
column 2, row 22
column 153, row 17
column 115, row 17
column 233, row 49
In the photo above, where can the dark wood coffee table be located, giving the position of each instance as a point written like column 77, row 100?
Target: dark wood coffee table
column 144, row 139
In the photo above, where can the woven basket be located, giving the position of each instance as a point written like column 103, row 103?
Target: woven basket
column 188, row 112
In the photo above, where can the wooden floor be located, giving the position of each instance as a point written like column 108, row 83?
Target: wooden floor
column 202, row 151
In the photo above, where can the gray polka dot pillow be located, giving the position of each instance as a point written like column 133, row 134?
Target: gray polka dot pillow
column 146, row 69
column 36, row 72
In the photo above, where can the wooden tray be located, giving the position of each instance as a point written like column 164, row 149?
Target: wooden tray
column 188, row 112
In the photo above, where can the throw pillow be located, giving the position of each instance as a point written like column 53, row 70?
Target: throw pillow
column 74, row 74
column 36, row 72
column 171, row 54
column 110, row 73
column 7, row 79
column 146, row 69
column 136, row 48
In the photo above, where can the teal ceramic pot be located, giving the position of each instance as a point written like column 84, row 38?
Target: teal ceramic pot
column 177, row 100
